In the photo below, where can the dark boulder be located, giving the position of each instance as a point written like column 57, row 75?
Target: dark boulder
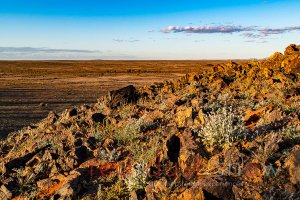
column 173, row 146
column 71, row 113
column 98, row 117
column 123, row 96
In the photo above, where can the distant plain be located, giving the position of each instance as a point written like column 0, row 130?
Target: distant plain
column 30, row 89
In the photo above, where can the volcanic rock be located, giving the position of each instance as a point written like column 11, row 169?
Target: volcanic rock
column 292, row 163
column 123, row 96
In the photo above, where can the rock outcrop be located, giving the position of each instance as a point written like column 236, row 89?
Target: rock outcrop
column 228, row 132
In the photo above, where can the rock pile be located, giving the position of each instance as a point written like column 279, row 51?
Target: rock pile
column 232, row 132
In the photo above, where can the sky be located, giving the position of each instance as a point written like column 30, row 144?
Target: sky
column 140, row 29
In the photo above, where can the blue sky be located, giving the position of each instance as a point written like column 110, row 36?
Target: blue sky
column 139, row 29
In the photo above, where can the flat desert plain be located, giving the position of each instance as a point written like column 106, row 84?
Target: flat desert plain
column 30, row 89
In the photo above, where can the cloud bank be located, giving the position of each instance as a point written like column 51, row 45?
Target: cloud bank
column 42, row 50
column 253, row 32
column 270, row 31
column 46, row 53
column 207, row 29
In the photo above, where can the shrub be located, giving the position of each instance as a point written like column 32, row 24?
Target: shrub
column 145, row 151
column 267, row 148
column 137, row 179
column 222, row 128
column 127, row 134
column 116, row 191
column 289, row 133
column 25, row 183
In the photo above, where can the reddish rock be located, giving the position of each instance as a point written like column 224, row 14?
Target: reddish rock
column 292, row 164
column 215, row 187
column 253, row 172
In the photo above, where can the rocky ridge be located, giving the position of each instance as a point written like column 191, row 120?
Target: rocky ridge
column 232, row 132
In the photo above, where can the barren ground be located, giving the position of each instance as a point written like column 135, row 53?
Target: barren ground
column 30, row 89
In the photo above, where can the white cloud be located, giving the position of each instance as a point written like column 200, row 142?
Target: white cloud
column 207, row 29
column 271, row 31
column 121, row 40
column 253, row 32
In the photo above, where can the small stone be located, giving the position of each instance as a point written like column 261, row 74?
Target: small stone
column 194, row 193
column 67, row 163
column 195, row 103
column 45, row 183
column 201, row 116
column 160, row 186
column 43, row 105
column 253, row 172
column 197, row 124
column 47, row 156
column 214, row 163
column 71, row 186
column 5, row 194
column 183, row 117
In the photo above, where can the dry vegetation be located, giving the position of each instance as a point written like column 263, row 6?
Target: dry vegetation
column 232, row 132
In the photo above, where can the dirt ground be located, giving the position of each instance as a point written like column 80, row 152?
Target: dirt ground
column 30, row 89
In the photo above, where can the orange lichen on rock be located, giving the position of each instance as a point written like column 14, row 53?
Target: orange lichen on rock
column 51, row 190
